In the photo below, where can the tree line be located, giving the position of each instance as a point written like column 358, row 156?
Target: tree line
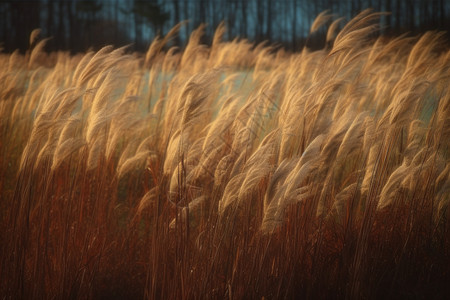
column 77, row 25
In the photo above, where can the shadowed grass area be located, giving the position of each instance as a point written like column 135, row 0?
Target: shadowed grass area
column 230, row 171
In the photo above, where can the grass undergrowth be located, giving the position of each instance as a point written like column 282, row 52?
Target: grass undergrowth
column 228, row 171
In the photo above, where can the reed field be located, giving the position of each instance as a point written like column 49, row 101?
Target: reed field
column 229, row 170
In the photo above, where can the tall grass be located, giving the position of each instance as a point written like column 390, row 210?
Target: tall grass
column 235, row 171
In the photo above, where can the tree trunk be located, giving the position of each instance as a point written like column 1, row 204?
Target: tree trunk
column 269, row 19
column 294, row 25
column 60, row 38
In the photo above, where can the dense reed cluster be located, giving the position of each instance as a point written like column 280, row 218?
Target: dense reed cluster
column 229, row 171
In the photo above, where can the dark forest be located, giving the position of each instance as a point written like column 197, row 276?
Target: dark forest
column 81, row 24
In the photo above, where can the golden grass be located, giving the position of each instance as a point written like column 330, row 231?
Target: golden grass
column 232, row 171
